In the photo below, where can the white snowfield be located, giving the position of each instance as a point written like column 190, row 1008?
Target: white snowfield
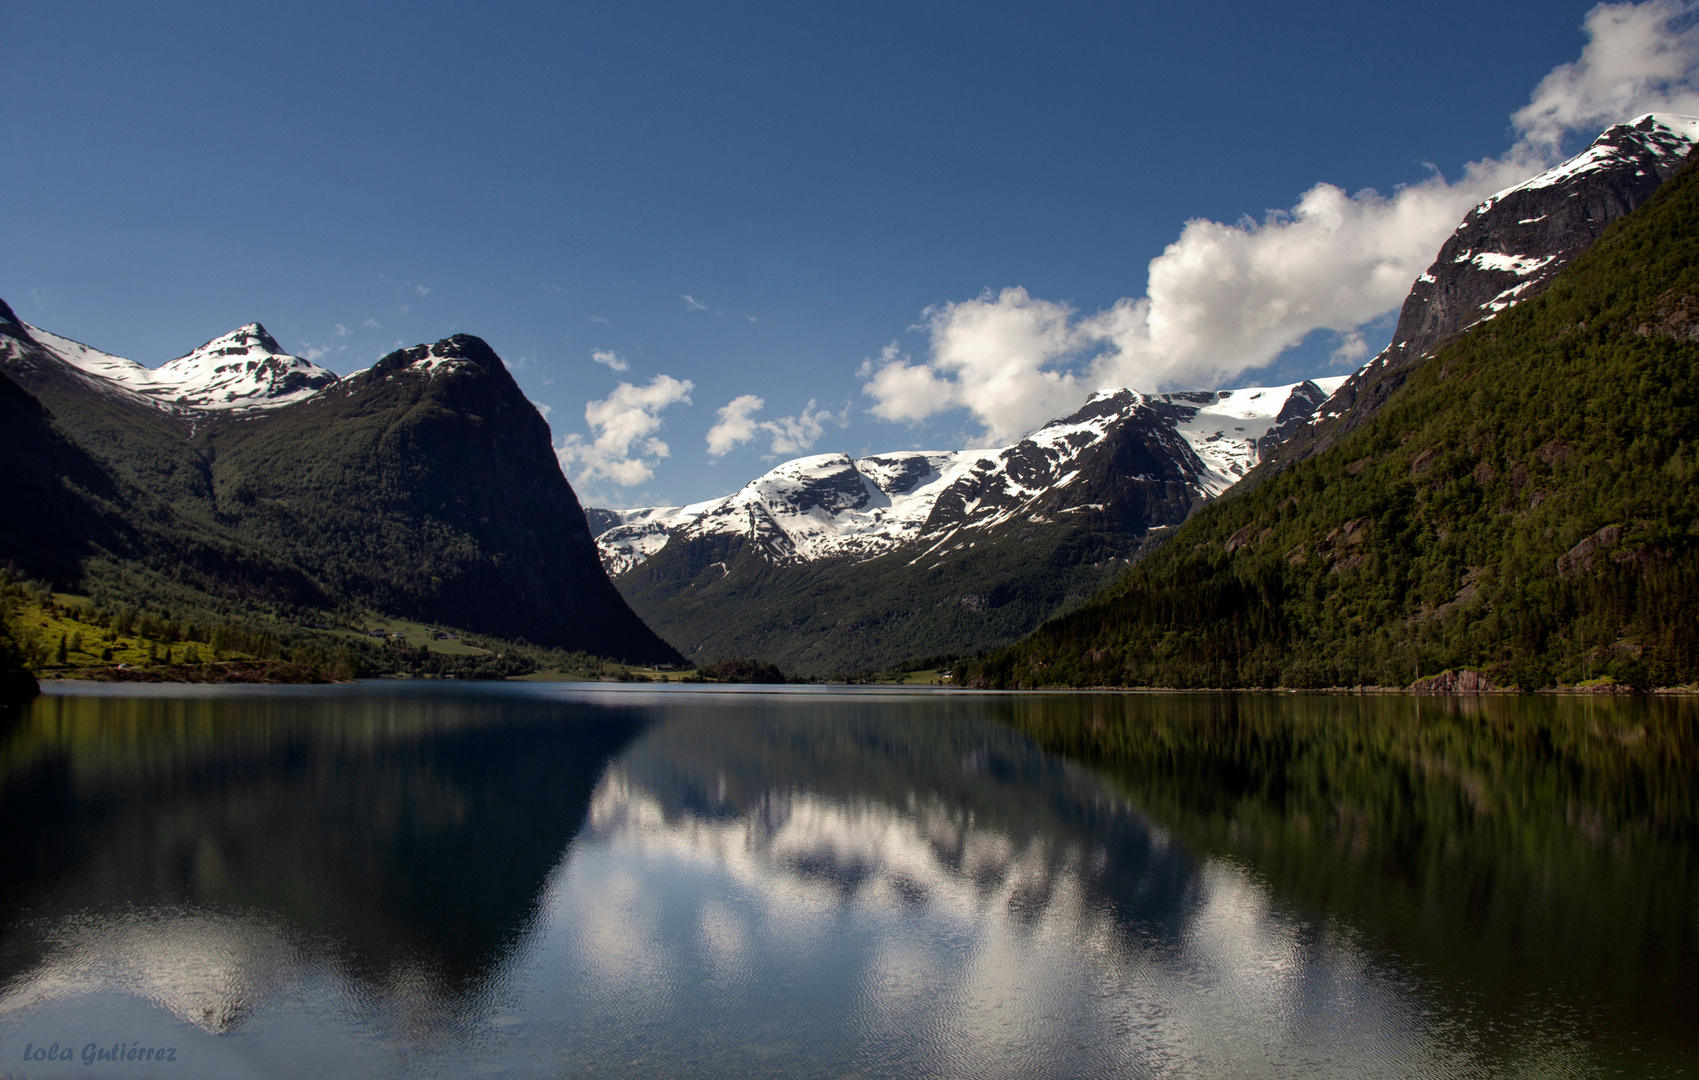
column 241, row 371
column 830, row 506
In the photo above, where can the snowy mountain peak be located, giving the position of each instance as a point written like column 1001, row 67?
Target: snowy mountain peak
column 451, row 354
column 1506, row 250
column 833, row 506
column 244, row 369
column 242, row 341
column 1664, row 136
column 241, row 371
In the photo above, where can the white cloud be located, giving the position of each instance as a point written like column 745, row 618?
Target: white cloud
column 1223, row 300
column 794, row 434
column 995, row 355
column 735, row 425
column 610, row 358
column 1350, row 350
column 693, row 304
column 1639, row 58
column 598, row 318
column 342, row 331
column 622, row 446
column 312, row 354
column 423, row 290
column 788, row 434
column 372, row 324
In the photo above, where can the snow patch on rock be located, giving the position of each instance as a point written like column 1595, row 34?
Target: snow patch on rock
column 833, row 506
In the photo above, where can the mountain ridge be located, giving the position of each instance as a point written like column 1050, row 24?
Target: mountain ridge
column 1482, row 519
column 1507, row 249
column 828, row 564
column 832, row 506
column 425, row 486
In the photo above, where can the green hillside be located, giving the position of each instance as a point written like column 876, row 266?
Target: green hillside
column 430, row 499
column 717, row 597
column 1523, row 505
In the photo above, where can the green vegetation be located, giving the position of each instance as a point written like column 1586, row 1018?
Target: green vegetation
column 62, row 635
column 424, row 499
column 715, row 595
column 740, row 670
column 1524, row 506
column 17, row 685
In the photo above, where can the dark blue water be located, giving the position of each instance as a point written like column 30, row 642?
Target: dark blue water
column 394, row 879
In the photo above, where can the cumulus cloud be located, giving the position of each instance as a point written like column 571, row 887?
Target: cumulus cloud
column 1639, row 58
column 622, row 446
column 610, row 358
column 794, row 434
column 736, row 425
column 1225, row 299
column 342, row 331
column 1350, row 350
column 994, row 355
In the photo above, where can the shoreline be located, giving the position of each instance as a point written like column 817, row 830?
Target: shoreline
column 254, row 673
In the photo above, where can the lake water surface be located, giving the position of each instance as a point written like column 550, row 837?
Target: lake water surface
column 449, row 880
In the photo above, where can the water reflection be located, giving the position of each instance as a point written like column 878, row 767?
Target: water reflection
column 970, row 906
column 543, row 881
column 208, row 853
column 1534, row 855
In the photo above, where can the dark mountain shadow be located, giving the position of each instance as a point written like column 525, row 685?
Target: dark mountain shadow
column 418, row 832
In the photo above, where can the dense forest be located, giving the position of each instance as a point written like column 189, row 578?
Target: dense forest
column 1523, row 506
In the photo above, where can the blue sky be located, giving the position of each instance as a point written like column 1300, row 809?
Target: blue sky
column 798, row 203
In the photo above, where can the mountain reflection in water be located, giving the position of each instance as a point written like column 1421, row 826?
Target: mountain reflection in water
column 533, row 880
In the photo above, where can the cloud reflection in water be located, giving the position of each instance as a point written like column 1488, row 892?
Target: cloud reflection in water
column 920, row 937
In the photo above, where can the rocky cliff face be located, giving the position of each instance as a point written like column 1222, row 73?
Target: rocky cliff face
column 1505, row 251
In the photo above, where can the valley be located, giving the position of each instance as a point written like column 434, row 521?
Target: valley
column 1366, row 529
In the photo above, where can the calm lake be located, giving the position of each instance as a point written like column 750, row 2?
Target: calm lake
column 534, row 880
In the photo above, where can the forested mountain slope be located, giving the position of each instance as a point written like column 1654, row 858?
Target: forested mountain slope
column 1523, row 504
column 1506, row 251
column 245, row 482
column 427, row 486
column 830, row 564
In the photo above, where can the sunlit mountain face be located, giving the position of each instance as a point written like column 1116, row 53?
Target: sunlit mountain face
column 445, row 881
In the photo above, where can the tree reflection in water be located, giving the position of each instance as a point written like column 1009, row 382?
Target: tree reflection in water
column 386, row 880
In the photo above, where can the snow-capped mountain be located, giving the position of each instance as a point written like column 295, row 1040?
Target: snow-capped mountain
column 242, row 371
column 1507, row 249
column 424, row 487
column 832, row 506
